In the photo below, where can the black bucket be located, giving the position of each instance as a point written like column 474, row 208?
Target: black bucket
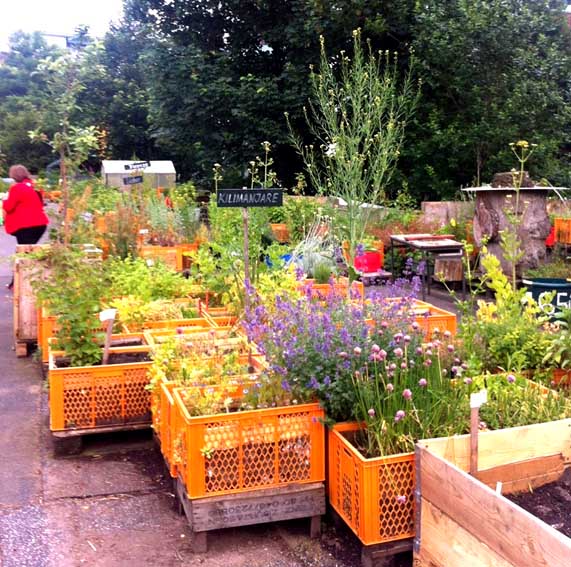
column 539, row 287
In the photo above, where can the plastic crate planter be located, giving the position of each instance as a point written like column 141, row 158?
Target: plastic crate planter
column 430, row 317
column 364, row 491
column 252, row 467
column 89, row 399
column 338, row 287
column 162, row 405
column 236, row 452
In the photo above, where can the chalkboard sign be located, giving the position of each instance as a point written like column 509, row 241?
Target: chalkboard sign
column 132, row 180
column 137, row 165
column 249, row 198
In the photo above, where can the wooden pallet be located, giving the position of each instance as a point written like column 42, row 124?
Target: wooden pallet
column 252, row 507
column 70, row 442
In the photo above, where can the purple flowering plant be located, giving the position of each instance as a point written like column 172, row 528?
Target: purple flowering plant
column 314, row 346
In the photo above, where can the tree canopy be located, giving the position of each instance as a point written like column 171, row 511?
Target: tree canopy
column 203, row 82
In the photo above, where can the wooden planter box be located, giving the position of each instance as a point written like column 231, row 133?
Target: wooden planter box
column 169, row 255
column 281, row 232
column 464, row 521
column 173, row 256
column 561, row 378
column 364, row 491
column 25, row 313
column 88, row 399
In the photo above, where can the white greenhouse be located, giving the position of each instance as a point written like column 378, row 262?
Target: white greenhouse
column 122, row 173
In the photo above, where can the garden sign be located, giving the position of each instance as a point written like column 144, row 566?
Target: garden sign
column 245, row 198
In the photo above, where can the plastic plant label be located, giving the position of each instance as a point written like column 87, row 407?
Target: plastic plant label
column 144, row 231
column 107, row 315
column 478, row 399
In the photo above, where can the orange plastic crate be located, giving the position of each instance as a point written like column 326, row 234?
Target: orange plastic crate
column 157, row 336
column 364, row 491
column 167, row 254
column 162, row 404
column 88, row 397
column 47, row 328
column 562, row 228
column 241, row 451
column 339, row 287
column 431, row 318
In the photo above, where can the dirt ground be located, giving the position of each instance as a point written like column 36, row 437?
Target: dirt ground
column 550, row 503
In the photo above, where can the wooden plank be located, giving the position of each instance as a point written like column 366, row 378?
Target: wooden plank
column 258, row 507
column 446, row 544
column 381, row 554
column 524, row 475
column 496, row 448
column 102, row 429
column 518, row 537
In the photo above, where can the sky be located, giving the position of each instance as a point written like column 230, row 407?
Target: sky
column 56, row 17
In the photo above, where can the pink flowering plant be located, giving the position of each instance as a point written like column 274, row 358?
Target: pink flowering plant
column 408, row 393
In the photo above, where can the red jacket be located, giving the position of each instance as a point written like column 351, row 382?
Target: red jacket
column 24, row 207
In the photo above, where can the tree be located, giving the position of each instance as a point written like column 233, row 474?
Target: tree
column 494, row 71
column 224, row 73
column 21, row 90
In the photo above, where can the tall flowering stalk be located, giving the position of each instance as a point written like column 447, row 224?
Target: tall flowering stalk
column 357, row 116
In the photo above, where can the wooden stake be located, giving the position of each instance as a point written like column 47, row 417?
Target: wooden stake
column 246, row 257
column 107, row 346
column 474, row 429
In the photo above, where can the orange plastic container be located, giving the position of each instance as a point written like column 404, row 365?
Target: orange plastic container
column 241, row 451
column 162, row 404
column 88, row 397
column 167, row 254
column 155, row 337
column 562, row 228
column 431, row 318
column 339, row 287
column 364, row 491
column 47, row 328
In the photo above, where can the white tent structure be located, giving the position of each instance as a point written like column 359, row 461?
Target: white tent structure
column 157, row 174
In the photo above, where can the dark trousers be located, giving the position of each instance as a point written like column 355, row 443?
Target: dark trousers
column 29, row 235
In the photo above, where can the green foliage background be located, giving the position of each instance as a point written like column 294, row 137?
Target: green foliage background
column 205, row 81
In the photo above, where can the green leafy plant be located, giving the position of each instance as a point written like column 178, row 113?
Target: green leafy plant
column 74, row 293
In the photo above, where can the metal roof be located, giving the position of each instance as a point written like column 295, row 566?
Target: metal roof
column 118, row 166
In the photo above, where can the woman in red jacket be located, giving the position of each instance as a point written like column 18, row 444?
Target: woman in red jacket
column 24, row 215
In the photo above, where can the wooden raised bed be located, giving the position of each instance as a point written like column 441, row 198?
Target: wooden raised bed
column 102, row 398
column 462, row 521
column 24, row 304
column 251, row 467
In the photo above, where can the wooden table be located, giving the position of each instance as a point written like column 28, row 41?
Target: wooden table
column 429, row 245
